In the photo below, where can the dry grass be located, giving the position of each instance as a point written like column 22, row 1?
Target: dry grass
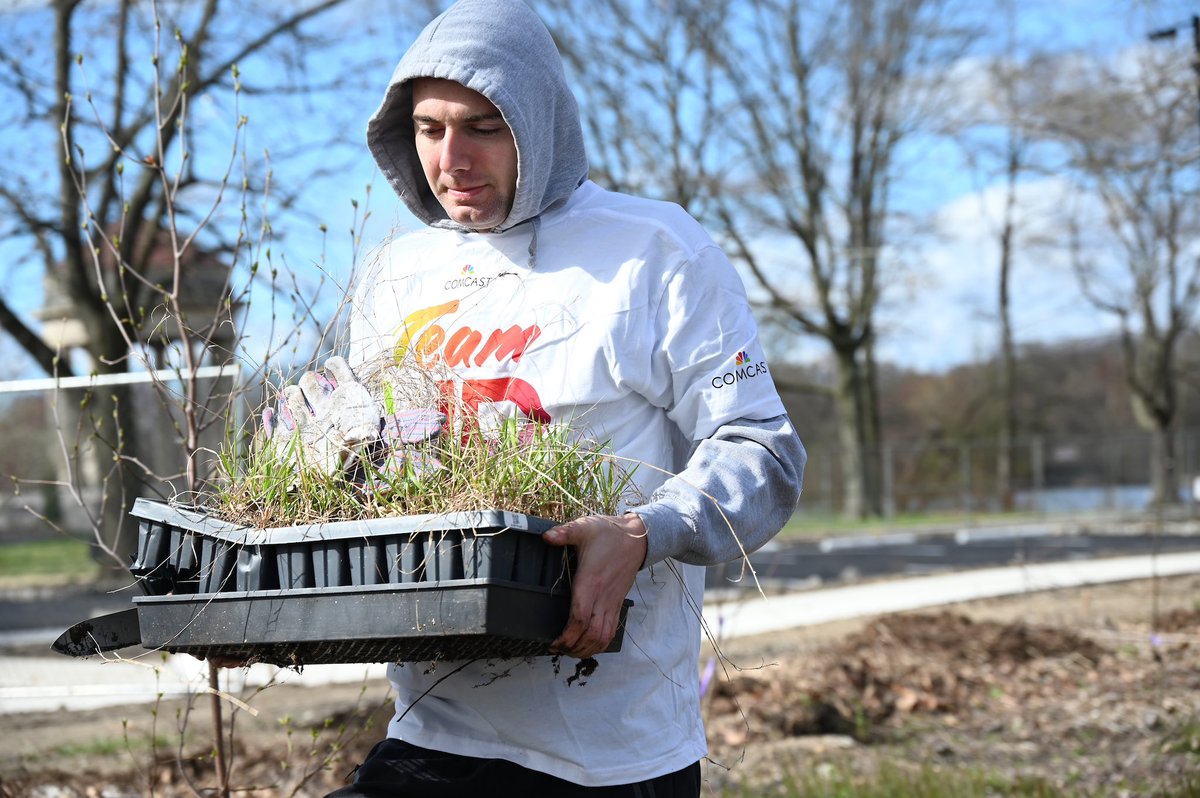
column 517, row 464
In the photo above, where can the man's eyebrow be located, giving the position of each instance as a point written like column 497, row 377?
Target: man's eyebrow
column 486, row 117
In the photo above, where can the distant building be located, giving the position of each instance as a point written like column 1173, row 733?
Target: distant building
column 208, row 307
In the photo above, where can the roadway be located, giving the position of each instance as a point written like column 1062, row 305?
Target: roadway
column 798, row 584
column 837, row 560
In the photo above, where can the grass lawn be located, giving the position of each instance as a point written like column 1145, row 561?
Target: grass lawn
column 57, row 560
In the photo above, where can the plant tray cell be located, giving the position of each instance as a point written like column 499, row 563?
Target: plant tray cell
column 446, row 586
column 181, row 550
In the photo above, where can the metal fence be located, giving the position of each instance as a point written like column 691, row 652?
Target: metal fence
column 48, row 445
column 1049, row 474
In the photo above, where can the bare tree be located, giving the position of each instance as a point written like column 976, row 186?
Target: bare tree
column 145, row 215
column 1002, row 150
column 1015, row 161
column 1130, row 130
column 117, row 197
column 781, row 124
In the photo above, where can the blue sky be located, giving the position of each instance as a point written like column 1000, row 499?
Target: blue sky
column 949, row 317
column 941, row 314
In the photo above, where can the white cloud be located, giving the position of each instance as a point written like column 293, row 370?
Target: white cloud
column 952, row 319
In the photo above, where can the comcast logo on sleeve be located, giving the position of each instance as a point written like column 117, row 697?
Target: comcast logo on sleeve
column 742, row 369
column 468, row 270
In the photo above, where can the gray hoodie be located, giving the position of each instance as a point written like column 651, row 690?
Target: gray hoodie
column 656, row 265
column 514, row 63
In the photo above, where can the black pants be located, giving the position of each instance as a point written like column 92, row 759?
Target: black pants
column 396, row 769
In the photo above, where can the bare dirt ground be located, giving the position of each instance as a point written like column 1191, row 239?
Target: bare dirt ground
column 1089, row 691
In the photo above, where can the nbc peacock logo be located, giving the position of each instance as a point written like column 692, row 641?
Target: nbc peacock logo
column 467, row 278
column 743, row 369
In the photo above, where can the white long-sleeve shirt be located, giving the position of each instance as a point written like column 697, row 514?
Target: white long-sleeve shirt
column 620, row 317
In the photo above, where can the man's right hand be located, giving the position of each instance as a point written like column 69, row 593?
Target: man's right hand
column 609, row 551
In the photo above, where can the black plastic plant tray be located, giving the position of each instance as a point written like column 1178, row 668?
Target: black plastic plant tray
column 181, row 550
column 468, row 585
column 414, row 622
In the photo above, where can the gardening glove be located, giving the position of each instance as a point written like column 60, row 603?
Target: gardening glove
column 412, row 426
column 342, row 402
column 405, row 436
column 327, row 416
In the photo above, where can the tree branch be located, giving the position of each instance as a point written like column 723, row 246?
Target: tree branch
column 32, row 343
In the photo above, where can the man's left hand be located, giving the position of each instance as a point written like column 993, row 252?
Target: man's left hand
column 609, row 551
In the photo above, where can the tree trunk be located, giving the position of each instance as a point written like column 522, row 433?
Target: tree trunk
column 860, row 454
column 1008, row 356
column 872, row 436
column 1151, row 379
column 1164, row 486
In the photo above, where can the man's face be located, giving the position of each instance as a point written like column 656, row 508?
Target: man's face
column 467, row 152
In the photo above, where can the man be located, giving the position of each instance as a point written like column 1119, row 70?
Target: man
column 550, row 298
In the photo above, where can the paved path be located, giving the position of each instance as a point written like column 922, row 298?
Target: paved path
column 808, row 608
column 48, row 683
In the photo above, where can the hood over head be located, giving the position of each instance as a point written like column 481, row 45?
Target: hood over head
column 501, row 49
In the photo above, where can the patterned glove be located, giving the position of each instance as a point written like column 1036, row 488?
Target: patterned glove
column 412, row 426
column 405, row 453
column 324, row 420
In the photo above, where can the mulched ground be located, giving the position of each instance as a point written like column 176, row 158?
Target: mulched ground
column 1100, row 701
column 1113, row 712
